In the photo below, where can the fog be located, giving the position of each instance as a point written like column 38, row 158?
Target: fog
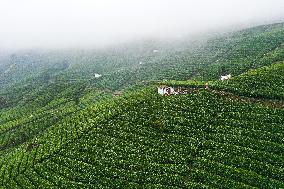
column 95, row 23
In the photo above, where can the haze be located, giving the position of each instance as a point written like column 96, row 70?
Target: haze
column 93, row 23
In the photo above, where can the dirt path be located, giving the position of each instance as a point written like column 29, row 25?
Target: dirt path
column 264, row 102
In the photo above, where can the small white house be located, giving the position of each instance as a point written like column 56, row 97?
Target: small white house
column 97, row 75
column 225, row 77
column 155, row 51
column 165, row 90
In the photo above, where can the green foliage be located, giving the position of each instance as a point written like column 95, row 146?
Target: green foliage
column 187, row 83
column 265, row 82
column 59, row 128
column 123, row 143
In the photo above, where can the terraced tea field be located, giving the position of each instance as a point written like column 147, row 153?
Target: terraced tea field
column 195, row 140
column 62, row 128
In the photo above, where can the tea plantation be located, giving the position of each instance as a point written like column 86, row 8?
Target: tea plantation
column 265, row 82
column 142, row 139
column 62, row 128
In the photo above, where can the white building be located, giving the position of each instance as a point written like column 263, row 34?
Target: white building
column 225, row 77
column 165, row 90
column 98, row 75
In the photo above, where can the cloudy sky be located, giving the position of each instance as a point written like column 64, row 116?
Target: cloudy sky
column 77, row 23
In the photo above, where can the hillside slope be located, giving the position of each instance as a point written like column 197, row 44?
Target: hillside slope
column 39, row 88
column 60, row 128
column 202, row 139
column 126, row 64
column 265, row 82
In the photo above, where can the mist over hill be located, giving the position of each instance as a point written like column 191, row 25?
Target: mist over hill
column 88, row 24
column 128, row 94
